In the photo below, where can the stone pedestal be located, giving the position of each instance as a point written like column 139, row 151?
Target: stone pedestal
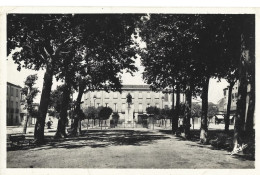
column 129, row 120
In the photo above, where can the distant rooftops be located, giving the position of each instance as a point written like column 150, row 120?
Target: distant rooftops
column 136, row 87
column 11, row 84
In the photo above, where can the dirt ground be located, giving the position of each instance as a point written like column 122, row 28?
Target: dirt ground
column 128, row 148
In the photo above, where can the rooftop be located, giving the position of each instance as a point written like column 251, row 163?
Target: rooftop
column 11, row 84
column 136, row 87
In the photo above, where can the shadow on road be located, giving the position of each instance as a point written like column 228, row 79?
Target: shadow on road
column 97, row 139
column 222, row 143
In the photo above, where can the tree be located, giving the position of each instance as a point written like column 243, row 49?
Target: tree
column 246, row 28
column 216, row 55
column 165, row 114
column 90, row 113
column 109, row 48
column 56, row 99
column 30, row 93
column 168, row 53
column 41, row 39
column 195, row 112
column 212, row 109
column 104, row 114
column 153, row 112
column 115, row 118
column 49, row 41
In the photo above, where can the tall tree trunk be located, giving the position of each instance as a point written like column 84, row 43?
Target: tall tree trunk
column 177, row 109
column 250, row 112
column 187, row 116
column 173, row 111
column 251, row 103
column 77, row 120
column 61, row 129
column 204, row 117
column 25, row 123
column 193, row 123
column 242, row 93
column 44, row 103
column 240, row 114
column 227, row 117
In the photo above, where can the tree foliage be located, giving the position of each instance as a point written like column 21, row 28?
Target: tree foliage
column 56, row 99
column 87, row 51
column 90, row 113
column 30, row 93
column 104, row 113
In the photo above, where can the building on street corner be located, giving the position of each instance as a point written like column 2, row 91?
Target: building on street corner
column 13, row 109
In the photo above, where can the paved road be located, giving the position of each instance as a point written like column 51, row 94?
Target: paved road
column 124, row 149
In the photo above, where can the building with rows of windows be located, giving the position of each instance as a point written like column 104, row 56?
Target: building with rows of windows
column 142, row 97
column 13, row 104
column 233, row 106
column 234, row 98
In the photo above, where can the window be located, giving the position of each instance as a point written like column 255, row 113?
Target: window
column 115, row 94
column 133, row 95
column 224, row 93
column 148, row 95
column 98, row 94
column 157, row 95
column 16, row 92
column 166, row 96
column 107, row 105
column 115, row 106
column 124, row 95
column 123, row 107
column 140, row 95
column 107, row 95
column 17, row 119
column 12, row 91
column 11, row 104
column 16, row 105
column 140, row 107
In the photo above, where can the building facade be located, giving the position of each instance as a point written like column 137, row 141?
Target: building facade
column 13, row 104
column 234, row 98
column 142, row 97
column 233, row 106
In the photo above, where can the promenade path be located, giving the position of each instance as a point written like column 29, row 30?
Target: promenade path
column 124, row 148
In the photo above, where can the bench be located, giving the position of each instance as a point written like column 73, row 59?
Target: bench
column 18, row 139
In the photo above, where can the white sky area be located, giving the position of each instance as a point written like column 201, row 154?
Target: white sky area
column 18, row 78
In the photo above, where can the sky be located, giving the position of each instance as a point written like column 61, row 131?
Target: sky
column 18, row 78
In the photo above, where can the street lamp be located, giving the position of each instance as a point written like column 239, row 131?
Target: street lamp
column 94, row 97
